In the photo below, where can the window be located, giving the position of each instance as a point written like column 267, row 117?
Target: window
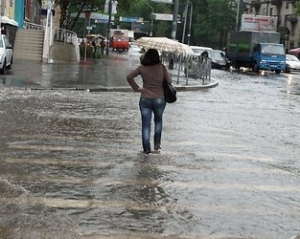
column 272, row 49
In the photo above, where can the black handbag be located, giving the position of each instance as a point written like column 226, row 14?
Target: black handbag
column 169, row 92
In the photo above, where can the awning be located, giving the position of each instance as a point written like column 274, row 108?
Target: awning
column 7, row 20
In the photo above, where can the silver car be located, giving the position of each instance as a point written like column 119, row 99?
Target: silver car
column 6, row 54
column 199, row 49
column 292, row 63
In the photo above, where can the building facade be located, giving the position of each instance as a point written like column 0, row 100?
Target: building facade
column 288, row 24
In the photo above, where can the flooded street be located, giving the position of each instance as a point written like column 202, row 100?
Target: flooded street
column 70, row 162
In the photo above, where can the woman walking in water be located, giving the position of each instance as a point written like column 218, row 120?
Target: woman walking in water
column 152, row 100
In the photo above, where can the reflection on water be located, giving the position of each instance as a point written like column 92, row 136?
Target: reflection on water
column 90, row 74
column 293, row 86
column 25, row 216
column 70, row 165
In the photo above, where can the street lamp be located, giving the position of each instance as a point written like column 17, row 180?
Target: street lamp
column 151, row 22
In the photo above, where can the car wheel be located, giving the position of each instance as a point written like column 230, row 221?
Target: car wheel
column 255, row 68
column 236, row 65
column 287, row 70
column 3, row 69
column 9, row 66
column 277, row 72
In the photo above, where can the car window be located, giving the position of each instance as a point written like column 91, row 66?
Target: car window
column 198, row 49
column 272, row 49
column 7, row 43
column 215, row 54
column 1, row 42
column 291, row 58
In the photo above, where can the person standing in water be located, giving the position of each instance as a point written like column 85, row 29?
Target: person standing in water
column 152, row 100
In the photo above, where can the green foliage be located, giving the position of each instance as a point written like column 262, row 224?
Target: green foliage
column 212, row 20
column 297, row 7
column 213, row 25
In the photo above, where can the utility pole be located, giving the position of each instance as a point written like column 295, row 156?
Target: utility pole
column 190, row 26
column 108, row 26
column 174, row 23
column 186, row 9
column 151, row 23
column 0, row 16
column 237, row 15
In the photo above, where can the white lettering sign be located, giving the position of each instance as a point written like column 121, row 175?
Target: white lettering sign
column 163, row 1
column 163, row 16
column 258, row 23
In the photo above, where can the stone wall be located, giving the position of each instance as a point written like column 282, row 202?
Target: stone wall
column 63, row 52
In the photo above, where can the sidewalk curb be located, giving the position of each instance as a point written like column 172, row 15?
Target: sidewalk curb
column 178, row 87
column 211, row 84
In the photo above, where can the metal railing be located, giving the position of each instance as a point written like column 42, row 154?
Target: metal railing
column 197, row 67
column 29, row 25
column 65, row 36
column 61, row 35
column 202, row 68
column 68, row 37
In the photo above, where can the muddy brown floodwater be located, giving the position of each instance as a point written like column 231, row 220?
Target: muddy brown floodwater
column 229, row 167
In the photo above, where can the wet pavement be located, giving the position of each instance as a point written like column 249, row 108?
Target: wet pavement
column 106, row 74
column 70, row 164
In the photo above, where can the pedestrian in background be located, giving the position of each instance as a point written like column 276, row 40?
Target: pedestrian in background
column 152, row 100
column 94, row 44
column 102, row 45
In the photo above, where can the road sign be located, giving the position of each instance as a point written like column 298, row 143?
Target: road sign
column 131, row 19
column 163, row 16
column 163, row 1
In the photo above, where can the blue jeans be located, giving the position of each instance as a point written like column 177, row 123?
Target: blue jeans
column 147, row 107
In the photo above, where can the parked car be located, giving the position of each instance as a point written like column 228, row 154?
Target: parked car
column 292, row 63
column 218, row 59
column 6, row 54
column 199, row 49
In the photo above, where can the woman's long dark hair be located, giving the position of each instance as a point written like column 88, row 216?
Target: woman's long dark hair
column 151, row 57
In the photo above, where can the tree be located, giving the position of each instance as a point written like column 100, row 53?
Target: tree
column 66, row 22
column 213, row 25
column 212, row 20
column 297, row 7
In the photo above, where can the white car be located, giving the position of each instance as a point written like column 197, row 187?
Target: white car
column 134, row 50
column 6, row 54
column 292, row 63
column 199, row 49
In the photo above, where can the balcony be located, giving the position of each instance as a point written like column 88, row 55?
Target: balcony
column 292, row 18
column 276, row 2
column 256, row 4
column 278, row 19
